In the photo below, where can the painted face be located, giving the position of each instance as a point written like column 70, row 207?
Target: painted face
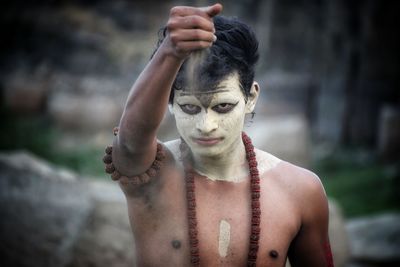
column 211, row 122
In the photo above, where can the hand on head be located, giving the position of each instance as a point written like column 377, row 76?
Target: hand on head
column 191, row 28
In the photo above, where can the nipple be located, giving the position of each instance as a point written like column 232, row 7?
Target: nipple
column 274, row 254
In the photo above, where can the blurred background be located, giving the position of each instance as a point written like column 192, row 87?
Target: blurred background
column 329, row 72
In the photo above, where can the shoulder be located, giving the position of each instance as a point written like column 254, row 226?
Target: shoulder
column 301, row 180
column 307, row 192
column 302, row 185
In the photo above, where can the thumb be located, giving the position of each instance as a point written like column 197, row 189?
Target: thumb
column 214, row 10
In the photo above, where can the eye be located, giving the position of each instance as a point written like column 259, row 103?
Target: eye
column 190, row 109
column 223, row 107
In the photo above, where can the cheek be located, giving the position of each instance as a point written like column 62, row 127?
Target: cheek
column 184, row 122
column 233, row 121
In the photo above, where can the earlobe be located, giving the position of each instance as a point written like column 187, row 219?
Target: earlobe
column 171, row 109
column 252, row 98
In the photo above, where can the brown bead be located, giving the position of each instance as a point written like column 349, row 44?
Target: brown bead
column 254, row 237
column 192, row 204
column 107, row 159
column 255, row 229
column 255, row 188
column 254, row 171
column 160, row 156
column 255, row 204
column 108, row 150
column 253, row 253
column 151, row 172
column 156, row 165
column 252, row 258
column 115, row 131
column 255, row 221
column 109, row 168
column 124, row 180
column 194, row 242
column 253, row 164
column 190, row 196
column 192, row 232
column 115, row 175
column 254, row 246
column 144, row 178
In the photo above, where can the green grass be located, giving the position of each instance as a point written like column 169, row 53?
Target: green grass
column 361, row 187
column 38, row 135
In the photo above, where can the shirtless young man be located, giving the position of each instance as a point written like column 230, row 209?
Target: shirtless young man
column 200, row 203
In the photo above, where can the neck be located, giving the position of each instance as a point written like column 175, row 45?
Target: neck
column 230, row 166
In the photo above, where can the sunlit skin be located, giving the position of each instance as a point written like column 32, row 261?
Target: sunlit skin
column 293, row 203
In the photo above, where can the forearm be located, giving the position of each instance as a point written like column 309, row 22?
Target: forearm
column 147, row 102
column 144, row 109
column 188, row 29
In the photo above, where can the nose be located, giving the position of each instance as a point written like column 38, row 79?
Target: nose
column 206, row 123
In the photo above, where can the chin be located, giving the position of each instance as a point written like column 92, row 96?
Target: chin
column 207, row 151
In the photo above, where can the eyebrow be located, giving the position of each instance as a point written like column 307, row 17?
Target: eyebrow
column 219, row 90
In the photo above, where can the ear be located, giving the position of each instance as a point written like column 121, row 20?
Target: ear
column 252, row 98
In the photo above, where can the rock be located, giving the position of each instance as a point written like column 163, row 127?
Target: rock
column 49, row 217
column 42, row 212
column 53, row 218
column 375, row 239
column 338, row 235
column 286, row 137
column 107, row 239
column 87, row 104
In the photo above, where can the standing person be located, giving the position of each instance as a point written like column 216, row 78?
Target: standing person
column 211, row 198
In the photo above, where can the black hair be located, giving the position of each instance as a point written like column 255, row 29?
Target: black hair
column 236, row 49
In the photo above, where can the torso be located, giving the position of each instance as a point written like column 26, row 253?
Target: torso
column 159, row 222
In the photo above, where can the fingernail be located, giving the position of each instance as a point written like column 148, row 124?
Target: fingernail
column 214, row 38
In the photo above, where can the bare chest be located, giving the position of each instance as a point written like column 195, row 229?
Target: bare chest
column 223, row 213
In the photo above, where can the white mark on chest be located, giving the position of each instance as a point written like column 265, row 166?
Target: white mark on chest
column 224, row 238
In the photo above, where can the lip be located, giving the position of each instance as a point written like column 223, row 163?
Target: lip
column 207, row 141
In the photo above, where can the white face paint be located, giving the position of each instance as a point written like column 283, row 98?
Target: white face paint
column 211, row 123
column 224, row 238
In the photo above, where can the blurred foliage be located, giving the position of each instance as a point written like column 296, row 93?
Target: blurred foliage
column 37, row 135
column 359, row 182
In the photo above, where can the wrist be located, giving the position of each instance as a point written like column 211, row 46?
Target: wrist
column 169, row 52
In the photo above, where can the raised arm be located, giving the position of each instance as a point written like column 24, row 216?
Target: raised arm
column 188, row 29
column 311, row 246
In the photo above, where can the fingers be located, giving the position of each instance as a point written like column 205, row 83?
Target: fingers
column 205, row 12
column 190, row 22
column 191, row 28
column 184, row 47
column 213, row 10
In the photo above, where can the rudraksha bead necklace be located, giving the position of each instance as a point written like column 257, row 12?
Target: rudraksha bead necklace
column 135, row 180
column 191, row 197
column 255, row 203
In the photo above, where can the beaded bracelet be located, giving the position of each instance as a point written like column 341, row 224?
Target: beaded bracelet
column 137, row 179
